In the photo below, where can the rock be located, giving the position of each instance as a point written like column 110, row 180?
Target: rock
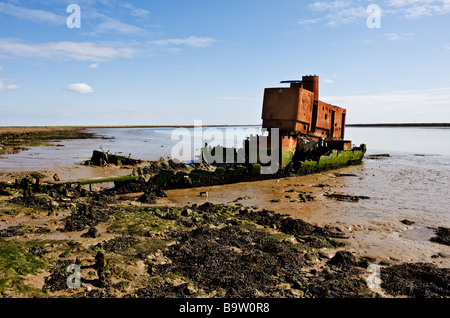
column 147, row 197
column 207, row 207
column 38, row 250
column 407, row 222
column 103, row 272
column 186, row 212
column 92, row 233
column 343, row 259
column 323, row 255
column 311, row 257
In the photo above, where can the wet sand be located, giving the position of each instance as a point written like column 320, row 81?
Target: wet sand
column 371, row 229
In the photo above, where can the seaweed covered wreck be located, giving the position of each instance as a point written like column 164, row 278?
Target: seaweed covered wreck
column 305, row 135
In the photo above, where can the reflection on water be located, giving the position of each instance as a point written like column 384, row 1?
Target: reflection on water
column 402, row 139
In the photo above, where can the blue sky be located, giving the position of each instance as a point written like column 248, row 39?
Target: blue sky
column 173, row 62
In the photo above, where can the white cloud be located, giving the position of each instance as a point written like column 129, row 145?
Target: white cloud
column 387, row 37
column 237, row 98
column 328, row 81
column 113, row 25
column 93, row 65
column 334, row 13
column 308, row 21
column 137, row 12
column 413, row 9
column 81, row 88
column 424, row 98
column 192, row 41
column 1, row 68
column 107, row 24
column 399, row 106
column 31, row 14
column 340, row 12
column 5, row 87
column 65, row 50
column 397, row 36
column 328, row 5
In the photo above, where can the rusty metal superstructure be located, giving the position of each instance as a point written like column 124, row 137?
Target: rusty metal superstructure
column 300, row 116
column 298, row 109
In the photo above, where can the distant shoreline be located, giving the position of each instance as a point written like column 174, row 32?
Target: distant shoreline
column 401, row 125
column 227, row 125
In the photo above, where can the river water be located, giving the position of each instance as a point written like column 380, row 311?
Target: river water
column 413, row 183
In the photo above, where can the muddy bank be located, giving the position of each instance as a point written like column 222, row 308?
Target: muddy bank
column 126, row 248
column 15, row 139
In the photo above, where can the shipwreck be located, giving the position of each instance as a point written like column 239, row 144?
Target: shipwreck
column 103, row 158
column 309, row 132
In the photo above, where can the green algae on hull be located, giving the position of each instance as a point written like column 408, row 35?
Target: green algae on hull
column 335, row 159
column 218, row 175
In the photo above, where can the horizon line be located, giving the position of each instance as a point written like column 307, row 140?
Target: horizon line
column 230, row 125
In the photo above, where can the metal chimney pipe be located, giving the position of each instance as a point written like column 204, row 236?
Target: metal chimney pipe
column 311, row 83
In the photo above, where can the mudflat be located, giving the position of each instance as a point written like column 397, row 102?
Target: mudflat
column 239, row 240
column 183, row 243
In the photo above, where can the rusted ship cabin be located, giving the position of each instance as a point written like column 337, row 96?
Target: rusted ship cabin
column 300, row 116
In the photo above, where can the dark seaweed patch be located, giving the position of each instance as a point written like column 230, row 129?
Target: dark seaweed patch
column 287, row 224
column 38, row 250
column 119, row 242
column 239, row 262
column 419, row 280
column 12, row 231
column 338, row 284
column 443, row 236
column 57, row 280
column 85, row 216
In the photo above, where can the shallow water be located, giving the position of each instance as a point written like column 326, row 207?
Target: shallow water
column 139, row 143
